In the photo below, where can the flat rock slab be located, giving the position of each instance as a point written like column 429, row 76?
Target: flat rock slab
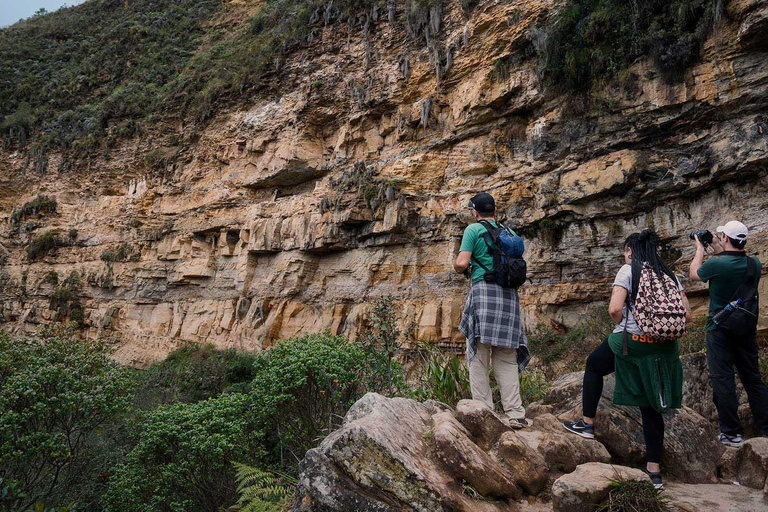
column 714, row 498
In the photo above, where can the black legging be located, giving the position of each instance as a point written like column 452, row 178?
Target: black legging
column 601, row 363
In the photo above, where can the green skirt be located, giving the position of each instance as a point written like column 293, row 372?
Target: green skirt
column 651, row 375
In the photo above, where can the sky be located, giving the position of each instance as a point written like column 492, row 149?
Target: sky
column 12, row 11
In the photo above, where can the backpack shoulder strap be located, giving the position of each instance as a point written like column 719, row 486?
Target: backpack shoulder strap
column 487, row 225
column 751, row 273
column 481, row 265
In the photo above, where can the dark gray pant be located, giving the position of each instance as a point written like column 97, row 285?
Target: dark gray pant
column 725, row 351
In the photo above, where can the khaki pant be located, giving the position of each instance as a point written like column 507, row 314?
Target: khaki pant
column 505, row 369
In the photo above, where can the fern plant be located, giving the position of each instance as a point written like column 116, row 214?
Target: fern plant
column 261, row 491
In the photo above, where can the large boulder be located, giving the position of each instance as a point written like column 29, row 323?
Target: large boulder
column 691, row 451
column 747, row 464
column 399, row 454
column 485, row 425
column 466, row 461
column 529, row 468
column 589, row 485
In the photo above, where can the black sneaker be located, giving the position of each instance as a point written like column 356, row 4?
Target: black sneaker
column 727, row 440
column 581, row 428
column 655, row 478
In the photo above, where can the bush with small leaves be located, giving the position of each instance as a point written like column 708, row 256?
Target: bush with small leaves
column 182, row 458
column 303, row 387
column 54, row 391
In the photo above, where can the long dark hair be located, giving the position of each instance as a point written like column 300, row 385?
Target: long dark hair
column 645, row 249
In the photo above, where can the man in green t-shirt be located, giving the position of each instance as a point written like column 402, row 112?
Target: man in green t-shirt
column 725, row 272
column 491, row 321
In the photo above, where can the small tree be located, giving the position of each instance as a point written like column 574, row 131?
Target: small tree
column 383, row 339
column 54, row 391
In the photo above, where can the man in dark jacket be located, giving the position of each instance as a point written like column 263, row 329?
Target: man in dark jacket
column 725, row 272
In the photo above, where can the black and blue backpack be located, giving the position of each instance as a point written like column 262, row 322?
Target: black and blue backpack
column 506, row 248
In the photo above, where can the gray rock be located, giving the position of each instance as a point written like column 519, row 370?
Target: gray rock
column 589, row 486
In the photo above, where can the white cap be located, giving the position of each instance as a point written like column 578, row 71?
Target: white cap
column 734, row 229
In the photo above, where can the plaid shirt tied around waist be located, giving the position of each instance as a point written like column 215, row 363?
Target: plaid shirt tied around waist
column 492, row 313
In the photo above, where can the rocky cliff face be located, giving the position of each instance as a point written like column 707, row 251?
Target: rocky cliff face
column 347, row 178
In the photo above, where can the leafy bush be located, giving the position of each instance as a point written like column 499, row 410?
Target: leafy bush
column 195, row 372
column 533, row 384
column 182, row 458
column 382, row 342
column 594, row 40
column 41, row 245
column 65, row 299
column 39, row 206
column 54, row 392
column 123, row 252
column 303, row 387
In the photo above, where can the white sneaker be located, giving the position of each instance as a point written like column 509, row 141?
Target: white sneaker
column 727, row 440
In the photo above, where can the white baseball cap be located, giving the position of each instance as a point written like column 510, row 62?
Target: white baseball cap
column 734, row 229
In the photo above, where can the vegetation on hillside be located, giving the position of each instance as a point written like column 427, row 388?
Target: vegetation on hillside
column 593, row 41
column 78, row 79
column 82, row 76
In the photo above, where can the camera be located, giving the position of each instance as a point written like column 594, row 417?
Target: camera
column 705, row 236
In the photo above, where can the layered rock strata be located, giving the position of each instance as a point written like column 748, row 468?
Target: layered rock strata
column 347, row 179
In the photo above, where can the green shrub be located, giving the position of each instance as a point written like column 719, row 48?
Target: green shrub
column 630, row 495
column 39, row 206
column 183, row 455
column 695, row 337
column 41, row 245
column 51, row 277
column 442, row 376
column 195, row 372
column 303, row 387
column 123, row 252
column 533, row 384
column 592, row 41
column 65, row 299
column 563, row 352
column 382, row 342
column 54, row 391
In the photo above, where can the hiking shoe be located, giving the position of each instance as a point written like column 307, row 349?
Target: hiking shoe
column 519, row 422
column 727, row 440
column 580, row 428
column 655, row 478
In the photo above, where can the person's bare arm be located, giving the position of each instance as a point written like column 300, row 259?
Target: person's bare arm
column 616, row 305
column 698, row 261
column 462, row 261
column 687, row 306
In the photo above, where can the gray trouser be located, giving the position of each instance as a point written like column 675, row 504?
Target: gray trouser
column 505, row 369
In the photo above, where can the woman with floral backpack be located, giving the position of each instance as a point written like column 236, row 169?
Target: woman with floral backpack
column 650, row 310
